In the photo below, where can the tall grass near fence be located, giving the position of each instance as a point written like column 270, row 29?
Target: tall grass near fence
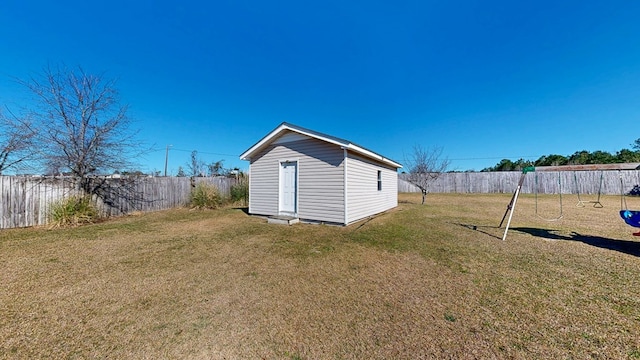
column 73, row 211
column 206, row 196
column 29, row 201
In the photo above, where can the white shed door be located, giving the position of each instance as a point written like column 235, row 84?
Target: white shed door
column 288, row 187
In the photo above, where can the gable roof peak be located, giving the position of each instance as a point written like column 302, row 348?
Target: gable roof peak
column 345, row 144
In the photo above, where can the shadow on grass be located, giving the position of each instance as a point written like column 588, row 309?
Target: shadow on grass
column 244, row 209
column 363, row 223
column 480, row 228
column 366, row 221
column 623, row 246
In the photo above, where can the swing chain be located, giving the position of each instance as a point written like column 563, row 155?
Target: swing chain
column 623, row 199
column 560, row 195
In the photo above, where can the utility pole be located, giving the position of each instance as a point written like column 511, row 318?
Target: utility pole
column 166, row 159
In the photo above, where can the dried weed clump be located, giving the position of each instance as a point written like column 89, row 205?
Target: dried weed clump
column 73, row 211
column 205, row 196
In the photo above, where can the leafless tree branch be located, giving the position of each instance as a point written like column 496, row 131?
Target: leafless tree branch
column 17, row 139
column 196, row 166
column 425, row 165
column 83, row 127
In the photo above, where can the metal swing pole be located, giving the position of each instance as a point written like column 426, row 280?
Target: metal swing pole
column 512, row 208
column 512, row 204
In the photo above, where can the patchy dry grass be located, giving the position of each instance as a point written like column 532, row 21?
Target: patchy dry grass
column 431, row 281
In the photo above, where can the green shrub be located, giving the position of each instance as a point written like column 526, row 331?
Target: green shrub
column 206, row 196
column 73, row 211
column 240, row 192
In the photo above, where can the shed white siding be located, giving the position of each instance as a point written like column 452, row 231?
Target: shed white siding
column 363, row 197
column 264, row 175
column 321, row 184
column 320, row 179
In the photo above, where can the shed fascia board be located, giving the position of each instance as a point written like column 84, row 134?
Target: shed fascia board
column 317, row 135
column 372, row 155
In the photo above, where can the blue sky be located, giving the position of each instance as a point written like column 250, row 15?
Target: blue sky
column 484, row 80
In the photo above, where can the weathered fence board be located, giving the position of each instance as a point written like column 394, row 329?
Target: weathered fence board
column 26, row 201
column 552, row 182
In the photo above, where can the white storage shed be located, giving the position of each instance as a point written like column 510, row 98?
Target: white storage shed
column 311, row 176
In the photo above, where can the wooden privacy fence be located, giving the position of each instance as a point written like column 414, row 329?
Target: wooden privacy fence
column 552, row 182
column 27, row 201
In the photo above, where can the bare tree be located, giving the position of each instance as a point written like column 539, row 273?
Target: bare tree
column 82, row 126
column 216, row 168
column 17, row 146
column 425, row 165
column 195, row 166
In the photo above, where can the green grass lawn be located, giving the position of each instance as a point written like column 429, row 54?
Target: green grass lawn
column 432, row 281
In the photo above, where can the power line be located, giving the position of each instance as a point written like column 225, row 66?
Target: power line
column 499, row 158
column 204, row 152
column 199, row 152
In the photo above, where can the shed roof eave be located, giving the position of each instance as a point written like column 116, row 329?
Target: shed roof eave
column 286, row 126
column 320, row 136
column 372, row 155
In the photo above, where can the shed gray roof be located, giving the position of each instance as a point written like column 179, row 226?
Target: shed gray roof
column 345, row 144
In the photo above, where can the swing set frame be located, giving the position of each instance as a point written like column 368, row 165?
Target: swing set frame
column 590, row 167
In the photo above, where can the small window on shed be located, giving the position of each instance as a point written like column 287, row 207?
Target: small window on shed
column 379, row 180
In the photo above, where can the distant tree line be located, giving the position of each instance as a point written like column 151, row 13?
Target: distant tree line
column 578, row 158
